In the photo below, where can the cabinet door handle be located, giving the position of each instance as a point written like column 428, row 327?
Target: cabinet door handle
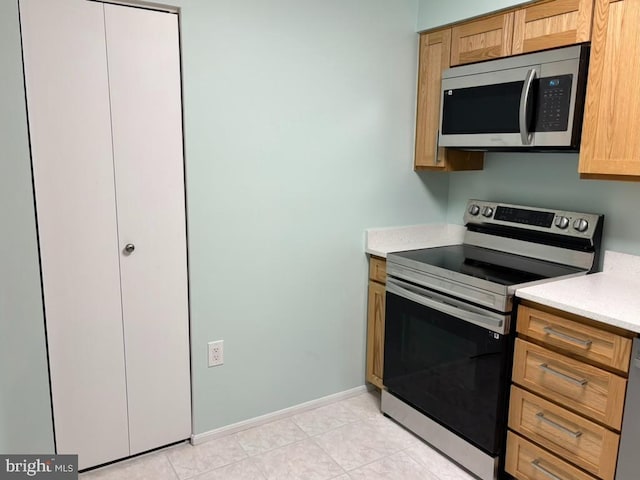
column 536, row 464
column 568, row 338
column 581, row 382
column 557, row 426
column 436, row 159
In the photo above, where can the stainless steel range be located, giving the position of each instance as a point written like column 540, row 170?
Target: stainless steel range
column 448, row 342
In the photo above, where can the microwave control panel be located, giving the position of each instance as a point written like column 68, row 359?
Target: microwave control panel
column 554, row 99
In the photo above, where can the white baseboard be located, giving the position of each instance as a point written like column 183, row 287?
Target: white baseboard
column 278, row 415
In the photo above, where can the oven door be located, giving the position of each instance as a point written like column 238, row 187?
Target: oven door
column 448, row 359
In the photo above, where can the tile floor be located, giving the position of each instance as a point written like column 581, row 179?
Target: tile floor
column 347, row 440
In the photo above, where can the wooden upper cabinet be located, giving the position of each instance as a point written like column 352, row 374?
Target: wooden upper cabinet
column 435, row 52
column 610, row 139
column 482, row 39
column 549, row 24
column 543, row 25
column 552, row 24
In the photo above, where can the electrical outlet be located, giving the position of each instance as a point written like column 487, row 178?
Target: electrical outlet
column 216, row 353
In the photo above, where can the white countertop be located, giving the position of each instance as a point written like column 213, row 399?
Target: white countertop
column 380, row 241
column 611, row 296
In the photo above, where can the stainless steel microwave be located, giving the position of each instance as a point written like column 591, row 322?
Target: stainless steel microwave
column 527, row 102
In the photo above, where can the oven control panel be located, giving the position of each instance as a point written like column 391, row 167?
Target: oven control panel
column 562, row 222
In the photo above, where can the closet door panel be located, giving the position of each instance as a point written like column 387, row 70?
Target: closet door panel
column 70, row 132
column 144, row 75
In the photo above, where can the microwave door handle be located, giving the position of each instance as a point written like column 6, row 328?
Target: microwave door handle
column 524, row 106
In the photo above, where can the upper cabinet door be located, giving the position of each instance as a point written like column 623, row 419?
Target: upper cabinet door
column 435, row 52
column 435, row 49
column 610, row 140
column 552, row 24
column 482, row 39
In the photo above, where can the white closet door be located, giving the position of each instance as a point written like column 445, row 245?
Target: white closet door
column 70, row 129
column 144, row 75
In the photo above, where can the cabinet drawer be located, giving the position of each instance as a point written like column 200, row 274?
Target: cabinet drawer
column 576, row 338
column 525, row 461
column 592, row 391
column 378, row 269
column 570, row 436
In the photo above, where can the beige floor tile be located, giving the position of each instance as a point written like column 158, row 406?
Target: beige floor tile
column 242, row 470
column 351, row 435
column 399, row 466
column 366, row 405
column 357, row 444
column 267, row 437
column 303, row 460
column 189, row 460
column 326, row 418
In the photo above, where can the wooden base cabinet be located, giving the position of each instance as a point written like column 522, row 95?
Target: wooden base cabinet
column 572, row 437
column 587, row 389
column 567, row 398
column 577, row 338
column 375, row 321
column 527, row 461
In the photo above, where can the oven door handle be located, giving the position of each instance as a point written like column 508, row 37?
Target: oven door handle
column 447, row 305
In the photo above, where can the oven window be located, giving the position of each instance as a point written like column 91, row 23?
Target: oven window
column 451, row 370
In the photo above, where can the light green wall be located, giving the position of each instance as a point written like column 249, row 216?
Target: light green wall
column 434, row 13
column 299, row 129
column 25, row 409
column 299, row 119
column 552, row 180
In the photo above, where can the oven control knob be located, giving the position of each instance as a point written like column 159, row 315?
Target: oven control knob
column 581, row 225
column 487, row 211
column 474, row 209
column 562, row 222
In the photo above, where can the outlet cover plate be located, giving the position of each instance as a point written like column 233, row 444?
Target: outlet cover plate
column 216, row 353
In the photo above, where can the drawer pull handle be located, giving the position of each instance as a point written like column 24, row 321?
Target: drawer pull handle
column 536, row 464
column 568, row 338
column 581, row 382
column 557, row 426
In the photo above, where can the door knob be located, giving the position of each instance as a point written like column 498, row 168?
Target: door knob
column 129, row 248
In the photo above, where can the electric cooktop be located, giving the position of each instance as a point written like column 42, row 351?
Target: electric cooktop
column 486, row 264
